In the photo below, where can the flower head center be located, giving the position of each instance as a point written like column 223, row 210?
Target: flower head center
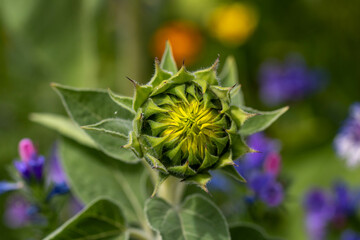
column 193, row 126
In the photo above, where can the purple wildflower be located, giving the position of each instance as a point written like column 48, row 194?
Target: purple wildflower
column 58, row 189
column 272, row 194
column 23, row 169
column 347, row 142
column 31, row 164
column 267, row 188
column 344, row 200
column 288, row 81
column 350, row 235
column 258, row 180
column 260, row 169
column 319, row 211
column 318, row 202
column 345, row 204
column 56, row 175
column 36, row 165
column 264, row 146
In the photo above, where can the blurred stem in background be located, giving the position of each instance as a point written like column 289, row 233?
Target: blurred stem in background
column 130, row 53
column 128, row 45
column 89, row 57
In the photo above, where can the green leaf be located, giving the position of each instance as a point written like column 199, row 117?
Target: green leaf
column 196, row 219
column 64, row 126
column 228, row 78
column 123, row 101
column 112, row 135
column 101, row 219
column 248, row 231
column 261, row 121
column 88, row 107
column 92, row 174
column 112, row 126
column 167, row 61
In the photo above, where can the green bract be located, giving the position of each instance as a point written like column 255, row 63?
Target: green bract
column 186, row 125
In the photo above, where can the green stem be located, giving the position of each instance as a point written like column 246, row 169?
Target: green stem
column 139, row 234
column 172, row 190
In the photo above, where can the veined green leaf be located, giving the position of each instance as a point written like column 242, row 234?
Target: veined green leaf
column 261, row 121
column 123, row 101
column 112, row 135
column 64, row 126
column 87, row 107
column 196, row 219
column 101, row 219
column 90, row 106
column 112, row 126
column 121, row 182
column 167, row 61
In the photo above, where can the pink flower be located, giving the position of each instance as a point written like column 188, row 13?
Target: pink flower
column 272, row 163
column 26, row 149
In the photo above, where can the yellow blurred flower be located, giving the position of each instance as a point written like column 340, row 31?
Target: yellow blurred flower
column 233, row 24
column 185, row 39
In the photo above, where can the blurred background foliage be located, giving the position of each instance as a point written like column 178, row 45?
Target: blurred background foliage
column 97, row 43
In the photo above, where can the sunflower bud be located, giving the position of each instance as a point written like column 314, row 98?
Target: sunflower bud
column 185, row 124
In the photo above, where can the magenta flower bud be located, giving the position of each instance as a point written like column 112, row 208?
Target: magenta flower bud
column 26, row 149
column 272, row 163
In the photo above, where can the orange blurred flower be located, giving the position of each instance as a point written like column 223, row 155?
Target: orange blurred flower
column 185, row 39
column 233, row 24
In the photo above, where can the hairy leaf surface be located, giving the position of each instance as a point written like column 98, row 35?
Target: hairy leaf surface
column 102, row 219
column 196, row 219
column 92, row 174
column 87, row 107
column 261, row 121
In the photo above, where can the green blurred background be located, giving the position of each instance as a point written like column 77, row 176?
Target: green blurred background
column 97, row 43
